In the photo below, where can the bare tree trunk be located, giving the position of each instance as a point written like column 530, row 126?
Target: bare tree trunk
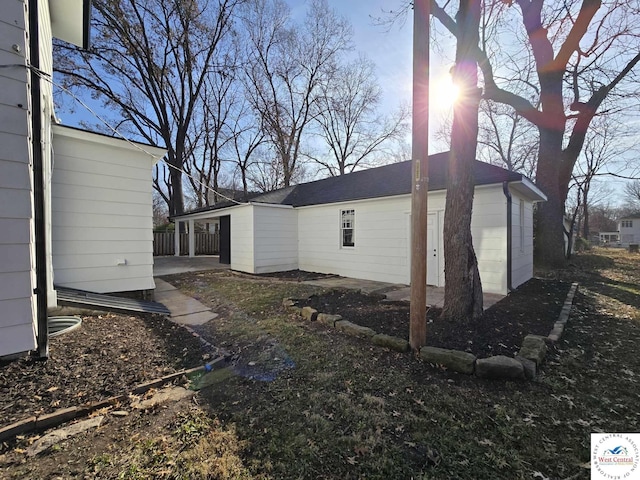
column 463, row 288
column 549, row 235
column 585, row 216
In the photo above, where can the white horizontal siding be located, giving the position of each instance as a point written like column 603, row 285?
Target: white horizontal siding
column 13, row 311
column 102, row 213
column 100, row 194
column 81, row 247
column 489, row 233
column 109, row 220
column 381, row 243
column 242, row 238
column 15, row 258
column 122, row 209
column 15, row 203
column 15, row 146
column 522, row 252
column 111, row 272
column 17, row 338
column 13, row 94
column 17, row 301
column 276, row 234
column 15, row 284
column 14, row 175
column 382, row 238
column 14, row 231
column 99, row 234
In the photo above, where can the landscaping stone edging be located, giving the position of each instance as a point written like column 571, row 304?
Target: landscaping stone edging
column 523, row 366
column 345, row 326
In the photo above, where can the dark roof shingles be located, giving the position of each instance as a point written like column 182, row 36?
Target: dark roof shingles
column 386, row 181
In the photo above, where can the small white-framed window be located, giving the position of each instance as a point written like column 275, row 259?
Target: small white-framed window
column 347, row 228
column 627, row 223
column 522, row 225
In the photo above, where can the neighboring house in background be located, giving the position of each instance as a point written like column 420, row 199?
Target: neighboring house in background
column 629, row 229
column 358, row 225
column 609, row 238
column 83, row 217
column 569, row 234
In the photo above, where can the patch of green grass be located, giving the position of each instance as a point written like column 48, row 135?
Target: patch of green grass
column 197, row 447
column 100, row 462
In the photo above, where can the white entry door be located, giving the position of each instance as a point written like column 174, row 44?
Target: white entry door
column 433, row 251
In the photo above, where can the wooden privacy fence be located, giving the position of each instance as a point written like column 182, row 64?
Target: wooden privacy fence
column 205, row 243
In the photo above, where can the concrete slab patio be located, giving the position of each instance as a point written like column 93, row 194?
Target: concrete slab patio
column 395, row 292
column 170, row 265
column 435, row 296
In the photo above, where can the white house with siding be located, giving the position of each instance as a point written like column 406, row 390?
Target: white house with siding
column 358, row 225
column 629, row 229
column 75, row 207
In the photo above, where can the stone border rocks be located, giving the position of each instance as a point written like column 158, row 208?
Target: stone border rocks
column 345, row 326
column 523, row 366
column 558, row 327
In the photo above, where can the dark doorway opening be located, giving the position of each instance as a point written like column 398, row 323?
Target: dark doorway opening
column 225, row 239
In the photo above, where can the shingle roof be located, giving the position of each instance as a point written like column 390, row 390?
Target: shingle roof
column 385, row 181
column 631, row 216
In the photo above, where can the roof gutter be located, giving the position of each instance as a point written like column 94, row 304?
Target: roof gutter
column 86, row 24
column 507, row 193
column 42, row 351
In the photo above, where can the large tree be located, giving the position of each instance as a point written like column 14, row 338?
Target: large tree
column 632, row 193
column 349, row 125
column 463, row 292
column 582, row 54
column 286, row 66
column 148, row 63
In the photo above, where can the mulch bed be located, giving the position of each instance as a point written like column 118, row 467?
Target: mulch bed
column 299, row 275
column 106, row 356
column 533, row 308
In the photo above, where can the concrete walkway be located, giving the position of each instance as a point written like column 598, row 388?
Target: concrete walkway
column 395, row 292
column 184, row 309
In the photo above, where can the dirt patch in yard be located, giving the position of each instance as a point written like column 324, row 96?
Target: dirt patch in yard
column 106, row 356
column 533, row 308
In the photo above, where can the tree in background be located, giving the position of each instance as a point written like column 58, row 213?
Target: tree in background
column 287, row 66
column 149, row 61
column 463, row 292
column 347, row 119
column 632, row 193
column 600, row 151
column 506, row 139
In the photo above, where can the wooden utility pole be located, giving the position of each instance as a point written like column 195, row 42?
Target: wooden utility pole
column 420, row 174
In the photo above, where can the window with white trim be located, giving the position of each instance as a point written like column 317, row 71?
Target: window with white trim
column 522, row 225
column 347, row 228
column 627, row 223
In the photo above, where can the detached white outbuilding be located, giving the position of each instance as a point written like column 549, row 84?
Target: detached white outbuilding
column 358, row 225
